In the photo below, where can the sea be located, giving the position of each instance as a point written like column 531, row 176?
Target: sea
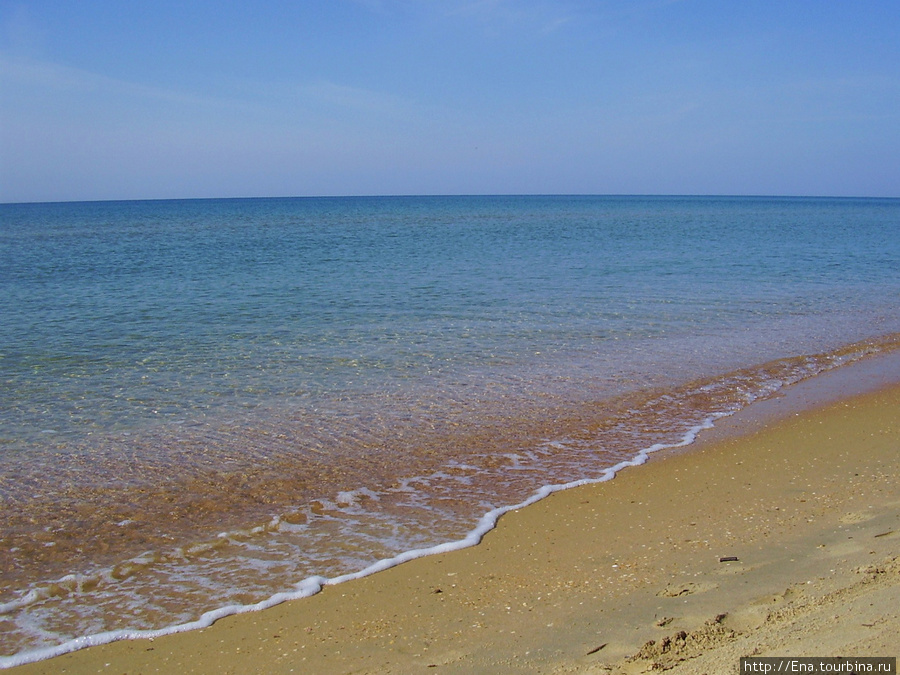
column 211, row 406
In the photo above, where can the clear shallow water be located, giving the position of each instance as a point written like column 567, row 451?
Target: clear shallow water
column 205, row 402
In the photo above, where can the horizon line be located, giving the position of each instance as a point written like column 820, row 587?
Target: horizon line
column 451, row 195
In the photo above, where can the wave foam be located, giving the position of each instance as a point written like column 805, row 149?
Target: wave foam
column 314, row 584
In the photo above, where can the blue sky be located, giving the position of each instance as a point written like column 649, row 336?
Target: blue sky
column 129, row 100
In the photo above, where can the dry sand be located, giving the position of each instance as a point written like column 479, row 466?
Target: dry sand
column 621, row 577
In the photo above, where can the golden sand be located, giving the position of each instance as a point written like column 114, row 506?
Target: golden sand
column 783, row 541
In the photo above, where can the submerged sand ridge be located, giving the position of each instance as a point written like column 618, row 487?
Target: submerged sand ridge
column 780, row 542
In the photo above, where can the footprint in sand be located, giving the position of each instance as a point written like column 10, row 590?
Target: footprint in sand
column 687, row 588
column 776, row 599
column 857, row 517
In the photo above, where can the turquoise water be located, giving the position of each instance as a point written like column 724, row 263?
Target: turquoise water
column 205, row 402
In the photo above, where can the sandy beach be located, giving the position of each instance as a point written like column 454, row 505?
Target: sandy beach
column 778, row 534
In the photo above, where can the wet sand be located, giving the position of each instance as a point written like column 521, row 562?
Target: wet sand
column 778, row 534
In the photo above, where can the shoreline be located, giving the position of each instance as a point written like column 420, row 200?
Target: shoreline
column 398, row 619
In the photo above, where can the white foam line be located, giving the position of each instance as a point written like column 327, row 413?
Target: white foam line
column 314, row 584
